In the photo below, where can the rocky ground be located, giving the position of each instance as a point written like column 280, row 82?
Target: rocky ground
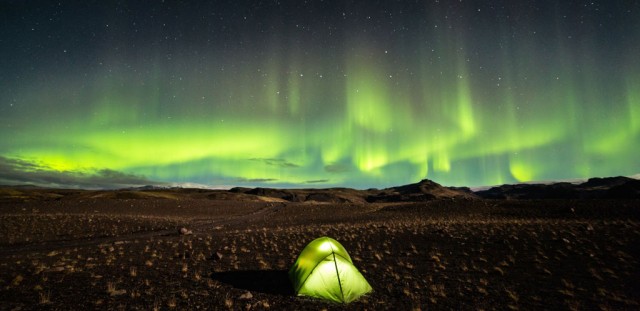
column 124, row 250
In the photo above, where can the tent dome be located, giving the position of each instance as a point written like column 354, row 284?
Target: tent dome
column 324, row 270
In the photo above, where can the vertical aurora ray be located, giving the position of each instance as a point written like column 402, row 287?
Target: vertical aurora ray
column 633, row 104
column 325, row 94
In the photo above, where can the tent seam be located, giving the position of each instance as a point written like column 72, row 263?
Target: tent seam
column 314, row 268
column 337, row 273
column 345, row 258
column 310, row 273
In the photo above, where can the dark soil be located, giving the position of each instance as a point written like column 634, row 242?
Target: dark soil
column 125, row 252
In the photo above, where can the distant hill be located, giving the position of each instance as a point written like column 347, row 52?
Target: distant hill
column 425, row 190
column 330, row 195
column 594, row 188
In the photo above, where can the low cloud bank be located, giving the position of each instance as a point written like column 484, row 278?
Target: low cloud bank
column 24, row 172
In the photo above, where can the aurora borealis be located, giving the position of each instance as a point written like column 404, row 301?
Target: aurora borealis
column 318, row 93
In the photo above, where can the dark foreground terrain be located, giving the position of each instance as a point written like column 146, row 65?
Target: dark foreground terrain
column 81, row 250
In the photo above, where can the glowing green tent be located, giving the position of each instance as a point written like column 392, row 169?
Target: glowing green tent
column 324, row 270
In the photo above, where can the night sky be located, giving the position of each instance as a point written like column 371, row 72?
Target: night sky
column 317, row 93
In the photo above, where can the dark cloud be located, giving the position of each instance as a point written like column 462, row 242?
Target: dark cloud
column 19, row 172
column 318, row 181
column 337, row 168
column 275, row 162
column 255, row 179
column 7, row 164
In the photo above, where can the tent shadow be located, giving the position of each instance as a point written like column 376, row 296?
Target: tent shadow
column 275, row 282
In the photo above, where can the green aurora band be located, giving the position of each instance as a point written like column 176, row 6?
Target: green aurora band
column 443, row 105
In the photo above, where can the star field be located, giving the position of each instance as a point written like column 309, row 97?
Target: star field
column 317, row 93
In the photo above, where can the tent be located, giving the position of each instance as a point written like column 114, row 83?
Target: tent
column 324, row 270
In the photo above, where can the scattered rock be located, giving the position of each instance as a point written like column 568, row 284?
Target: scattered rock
column 118, row 292
column 17, row 280
column 246, row 296
column 56, row 269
